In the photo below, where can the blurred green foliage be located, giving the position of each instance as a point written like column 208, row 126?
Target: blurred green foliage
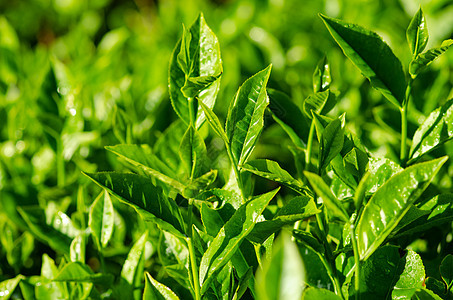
column 77, row 75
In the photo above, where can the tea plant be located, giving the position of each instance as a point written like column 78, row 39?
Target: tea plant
column 342, row 227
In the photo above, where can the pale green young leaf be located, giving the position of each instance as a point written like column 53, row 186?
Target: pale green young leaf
column 417, row 33
column 320, row 102
column 213, row 120
column 200, row 58
column 422, row 60
column 155, row 290
column 425, row 294
column 132, row 271
column 435, row 131
column 372, row 56
column 147, row 199
column 314, row 293
column 283, row 276
column 334, row 206
column 321, row 76
column 230, row 237
column 391, row 202
column 7, row 287
column 271, row 170
column 199, row 185
column 77, row 249
column 101, row 220
column 245, row 115
column 194, row 85
column 192, row 151
column 79, row 272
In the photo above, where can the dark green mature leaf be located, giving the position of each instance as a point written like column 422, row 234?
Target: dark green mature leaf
column 320, row 102
column 193, row 152
column 35, row 219
column 142, row 157
column 298, row 208
column 435, row 131
column 101, row 220
column 321, row 76
column 271, row 170
column 424, row 59
column 230, row 237
column 372, row 56
column 7, row 287
column 446, row 270
column 200, row 57
column 308, row 240
column 148, row 200
column 437, row 286
column 245, row 115
column 317, row 294
column 155, row 290
column 334, row 205
column 283, row 276
column 79, row 272
column 331, row 143
column 386, row 273
column 289, row 116
column 391, row 202
column 417, row 33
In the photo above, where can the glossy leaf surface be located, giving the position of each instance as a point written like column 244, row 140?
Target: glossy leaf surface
column 193, row 152
column 283, row 276
column 320, row 102
column 245, row 115
column 435, row 131
column 7, row 287
column 155, row 290
column 271, row 170
column 230, row 236
column 417, row 33
column 148, row 200
column 372, row 56
column 321, row 76
column 391, row 202
column 424, row 59
column 101, row 220
column 331, row 143
column 213, row 120
column 201, row 58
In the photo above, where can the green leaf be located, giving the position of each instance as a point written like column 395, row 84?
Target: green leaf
column 283, row 276
column 321, row 76
column 308, row 240
column 332, row 140
column 213, row 120
column 102, row 220
column 132, row 271
column 298, row 208
column 7, row 287
column 435, row 131
column 148, row 200
column 142, row 157
column 317, row 294
column 320, row 102
column 196, row 56
column 194, row 85
column 271, row 170
column 391, row 202
column 289, row 116
column 437, row 286
column 387, row 273
column 79, row 272
column 424, row 294
column 35, row 219
column 155, row 290
column 230, row 237
column 424, row 59
column 77, row 251
column 245, row 116
column 193, row 153
column 381, row 169
column 372, row 56
column 334, row 206
column 417, row 33
column 199, row 185
column 446, row 270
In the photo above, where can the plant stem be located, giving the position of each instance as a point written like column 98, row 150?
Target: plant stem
column 356, row 260
column 309, row 146
column 403, row 110
column 194, row 267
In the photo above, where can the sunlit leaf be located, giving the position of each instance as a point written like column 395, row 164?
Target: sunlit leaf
column 424, row 59
column 101, row 220
column 155, row 290
column 417, row 33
